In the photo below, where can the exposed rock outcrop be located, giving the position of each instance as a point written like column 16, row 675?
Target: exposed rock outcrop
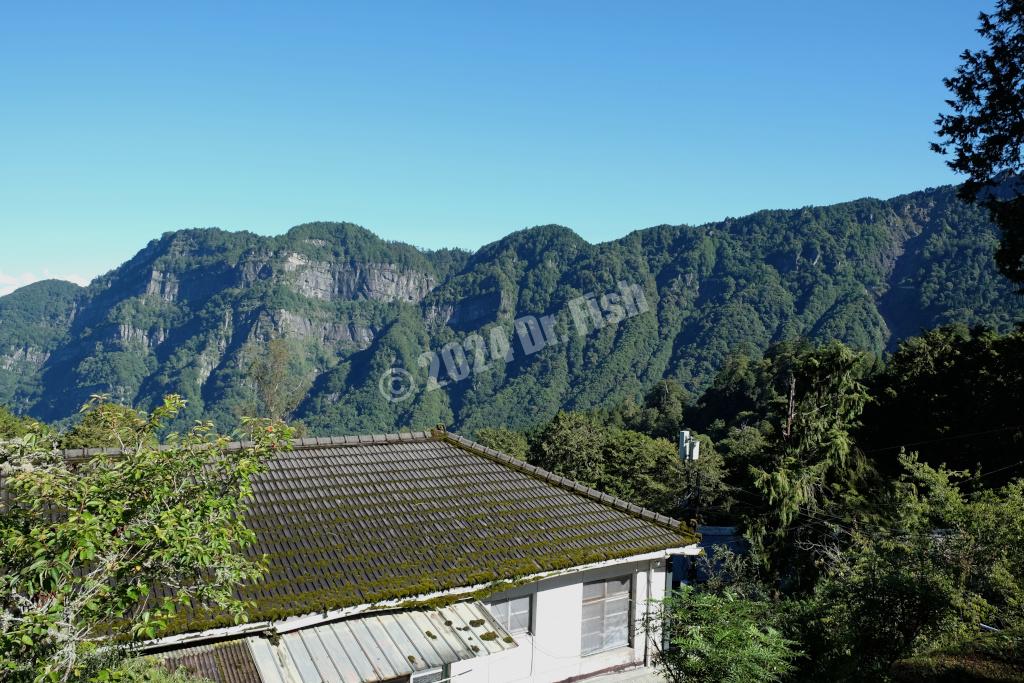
column 162, row 285
column 25, row 355
column 346, row 281
column 325, row 332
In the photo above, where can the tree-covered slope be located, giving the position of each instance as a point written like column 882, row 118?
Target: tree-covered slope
column 34, row 321
column 190, row 312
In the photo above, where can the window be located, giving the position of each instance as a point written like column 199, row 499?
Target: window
column 605, row 614
column 513, row 614
column 429, row 676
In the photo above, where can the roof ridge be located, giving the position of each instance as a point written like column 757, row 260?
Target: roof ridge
column 296, row 444
column 440, row 434
column 563, row 482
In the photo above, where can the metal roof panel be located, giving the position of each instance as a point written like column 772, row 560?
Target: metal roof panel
column 375, row 647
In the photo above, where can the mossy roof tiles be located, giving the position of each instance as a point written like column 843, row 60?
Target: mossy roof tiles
column 349, row 521
column 346, row 521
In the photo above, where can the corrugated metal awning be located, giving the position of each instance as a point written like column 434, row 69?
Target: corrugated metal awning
column 374, row 648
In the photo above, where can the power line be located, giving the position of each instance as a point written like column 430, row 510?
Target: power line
column 995, row 471
column 944, row 438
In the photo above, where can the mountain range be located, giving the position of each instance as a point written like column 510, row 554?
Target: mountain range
column 369, row 325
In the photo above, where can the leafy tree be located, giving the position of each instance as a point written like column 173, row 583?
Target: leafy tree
column 979, row 533
column 720, row 637
column 698, row 489
column 734, row 396
column 505, row 440
column 106, row 425
column 621, row 462
column 738, row 573
column 276, row 380
column 985, row 130
column 571, row 445
column 744, row 449
column 954, row 396
column 661, row 415
column 119, row 543
column 12, row 426
column 895, row 597
column 920, row 587
column 945, row 563
column 641, row 469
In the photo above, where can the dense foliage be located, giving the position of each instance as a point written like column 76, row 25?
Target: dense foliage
column 12, row 426
column 721, row 638
column 623, row 463
column 956, row 396
column 985, row 130
column 123, row 542
column 869, row 561
column 195, row 313
column 34, row 322
column 943, row 564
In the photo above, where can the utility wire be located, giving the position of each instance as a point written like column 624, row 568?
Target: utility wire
column 943, row 438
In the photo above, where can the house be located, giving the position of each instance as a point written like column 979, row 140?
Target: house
column 427, row 557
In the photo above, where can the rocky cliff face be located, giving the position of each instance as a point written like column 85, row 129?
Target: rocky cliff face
column 26, row 359
column 191, row 310
column 329, row 281
column 162, row 285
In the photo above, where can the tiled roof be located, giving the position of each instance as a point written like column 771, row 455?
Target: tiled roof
column 347, row 521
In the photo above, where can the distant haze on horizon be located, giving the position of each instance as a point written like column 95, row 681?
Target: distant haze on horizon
column 453, row 125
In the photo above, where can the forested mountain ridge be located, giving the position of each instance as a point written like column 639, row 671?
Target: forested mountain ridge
column 191, row 310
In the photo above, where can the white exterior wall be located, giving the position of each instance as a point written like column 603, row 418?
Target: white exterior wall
column 551, row 651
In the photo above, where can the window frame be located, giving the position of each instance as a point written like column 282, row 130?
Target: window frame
column 603, row 600
column 491, row 607
column 426, row 673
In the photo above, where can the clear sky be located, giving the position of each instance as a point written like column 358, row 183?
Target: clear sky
column 452, row 123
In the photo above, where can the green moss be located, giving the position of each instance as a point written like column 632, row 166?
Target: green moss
column 351, row 572
column 490, row 635
column 431, row 635
column 476, row 623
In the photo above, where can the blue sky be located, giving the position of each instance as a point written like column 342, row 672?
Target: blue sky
column 452, row 124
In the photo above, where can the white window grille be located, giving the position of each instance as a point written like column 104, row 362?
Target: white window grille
column 606, row 614
column 513, row 614
column 429, row 676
